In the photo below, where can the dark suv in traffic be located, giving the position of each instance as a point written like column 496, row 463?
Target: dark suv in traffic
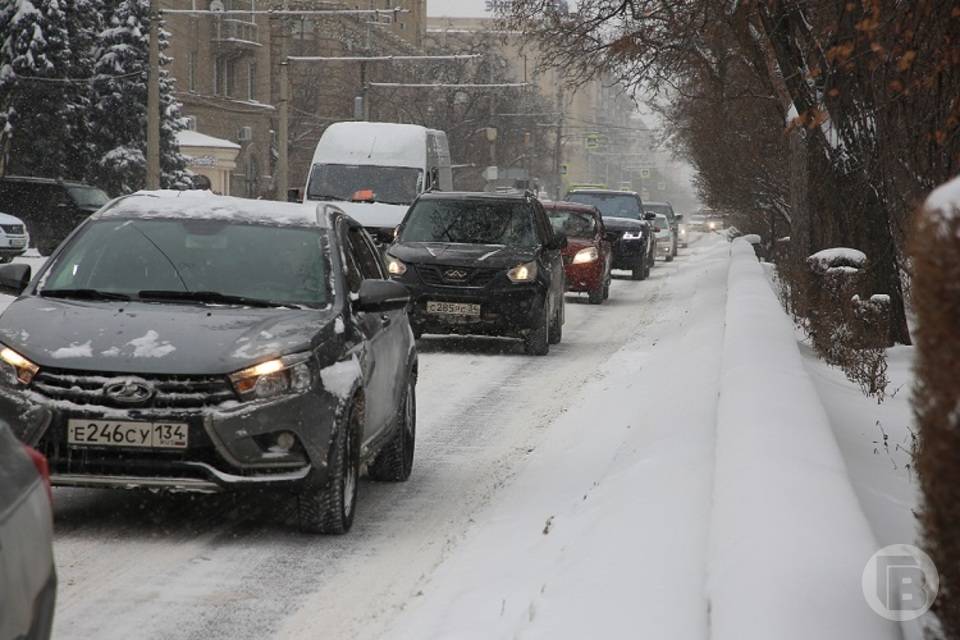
column 51, row 209
column 482, row 263
column 192, row 342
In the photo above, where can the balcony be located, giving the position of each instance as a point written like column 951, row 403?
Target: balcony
column 237, row 34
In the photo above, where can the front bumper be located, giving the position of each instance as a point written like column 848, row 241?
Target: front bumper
column 510, row 311
column 229, row 447
column 585, row 277
column 13, row 246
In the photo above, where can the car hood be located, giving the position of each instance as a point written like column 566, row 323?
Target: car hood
column 157, row 338
column 624, row 224
column 6, row 218
column 369, row 214
column 495, row 256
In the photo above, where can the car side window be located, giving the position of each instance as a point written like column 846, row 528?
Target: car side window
column 542, row 222
column 352, row 274
column 366, row 256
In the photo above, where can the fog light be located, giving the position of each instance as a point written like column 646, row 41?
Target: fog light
column 286, row 440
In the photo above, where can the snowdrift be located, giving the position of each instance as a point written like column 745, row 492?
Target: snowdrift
column 788, row 539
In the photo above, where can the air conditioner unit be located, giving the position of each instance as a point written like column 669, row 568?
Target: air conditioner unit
column 245, row 134
column 191, row 123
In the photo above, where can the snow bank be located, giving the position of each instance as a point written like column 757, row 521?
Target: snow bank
column 788, row 539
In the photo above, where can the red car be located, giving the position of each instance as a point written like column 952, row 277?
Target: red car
column 587, row 258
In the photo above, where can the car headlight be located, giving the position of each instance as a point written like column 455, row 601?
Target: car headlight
column 395, row 267
column 633, row 236
column 20, row 367
column 526, row 272
column 584, row 256
column 274, row 377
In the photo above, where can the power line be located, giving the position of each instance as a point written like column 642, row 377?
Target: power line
column 444, row 85
column 286, row 12
column 380, row 58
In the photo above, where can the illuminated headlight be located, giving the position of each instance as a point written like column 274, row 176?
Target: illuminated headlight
column 274, row 377
column 633, row 236
column 712, row 225
column 395, row 267
column 18, row 366
column 526, row 272
column 683, row 231
column 584, row 256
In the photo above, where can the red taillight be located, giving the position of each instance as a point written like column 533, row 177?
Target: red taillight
column 43, row 468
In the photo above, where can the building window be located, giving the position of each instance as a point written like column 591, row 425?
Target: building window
column 192, row 71
column 252, row 81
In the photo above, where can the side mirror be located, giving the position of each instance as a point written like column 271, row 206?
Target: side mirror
column 678, row 217
column 382, row 295
column 14, row 278
column 649, row 217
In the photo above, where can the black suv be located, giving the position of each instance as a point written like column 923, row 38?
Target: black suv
column 51, row 209
column 634, row 243
column 482, row 263
column 195, row 342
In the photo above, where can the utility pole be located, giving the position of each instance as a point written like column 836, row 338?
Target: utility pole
column 282, row 179
column 153, row 100
column 558, row 149
column 364, row 91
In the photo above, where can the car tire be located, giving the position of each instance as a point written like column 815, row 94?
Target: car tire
column 606, row 290
column 536, row 342
column 329, row 507
column 556, row 325
column 639, row 270
column 5, row 259
column 394, row 462
column 669, row 257
column 417, row 333
column 597, row 296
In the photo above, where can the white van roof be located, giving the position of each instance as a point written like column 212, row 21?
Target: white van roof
column 382, row 144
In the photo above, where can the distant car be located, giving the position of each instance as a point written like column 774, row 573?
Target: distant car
column 482, row 264
column 696, row 223
column 28, row 579
column 587, row 258
column 665, row 238
column 683, row 232
column 713, row 222
column 50, row 208
column 192, row 342
column 13, row 237
column 633, row 245
column 665, row 208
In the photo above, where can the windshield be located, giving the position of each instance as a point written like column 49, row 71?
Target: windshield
column 620, row 205
column 575, row 224
column 506, row 223
column 88, row 197
column 391, row 185
column 283, row 264
column 659, row 208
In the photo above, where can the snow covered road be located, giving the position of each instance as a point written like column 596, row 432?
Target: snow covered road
column 141, row 566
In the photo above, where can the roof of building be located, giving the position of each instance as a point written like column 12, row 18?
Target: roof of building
column 188, row 138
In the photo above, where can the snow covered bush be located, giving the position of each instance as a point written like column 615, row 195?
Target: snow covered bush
column 847, row 328
column 935, row 255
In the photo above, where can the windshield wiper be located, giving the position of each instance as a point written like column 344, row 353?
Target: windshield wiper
column 83, row 294
column 212, row 297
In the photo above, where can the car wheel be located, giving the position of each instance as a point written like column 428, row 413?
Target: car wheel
column 329, row 507
column 606, row 290
column 417, row 333
column 669, row 257
column 597, row 296
column 639, row 270
column 5, row 259
column 394, row 463
column 556, row 325
column 536, row 342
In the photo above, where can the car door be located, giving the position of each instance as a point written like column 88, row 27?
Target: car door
column 606, row 247
column 552, row 256
column 387, row 335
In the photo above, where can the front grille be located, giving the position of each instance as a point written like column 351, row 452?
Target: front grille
column 12, row 229
column 450, row 276
column 180, row 392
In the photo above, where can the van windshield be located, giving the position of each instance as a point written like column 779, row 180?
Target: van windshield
column 390, row 185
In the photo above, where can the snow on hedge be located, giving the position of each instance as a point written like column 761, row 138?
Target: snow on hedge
column 837, row 257
column 789, row 540
column 944, row 202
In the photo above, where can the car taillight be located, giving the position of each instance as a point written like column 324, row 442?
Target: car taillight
column 43, row 468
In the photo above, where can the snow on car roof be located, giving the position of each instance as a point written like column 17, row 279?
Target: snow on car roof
column 206, row 205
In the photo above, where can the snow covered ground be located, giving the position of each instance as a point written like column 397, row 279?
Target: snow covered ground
column 562, row 497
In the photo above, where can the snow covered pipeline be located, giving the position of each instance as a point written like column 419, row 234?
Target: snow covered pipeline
column 788, row 539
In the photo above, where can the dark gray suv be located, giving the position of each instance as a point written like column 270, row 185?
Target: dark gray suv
column 194, row 342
